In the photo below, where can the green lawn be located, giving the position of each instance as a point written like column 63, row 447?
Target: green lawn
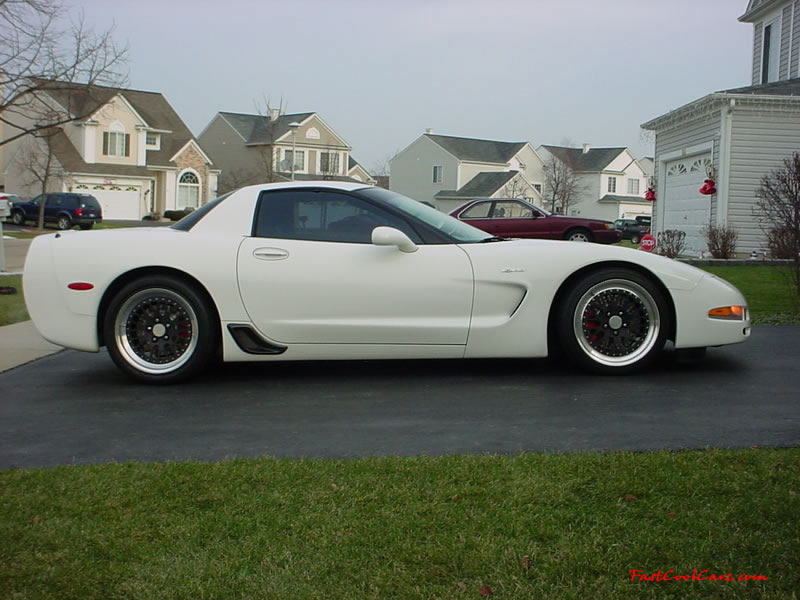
column 769, row 291
column 527, row 526
column 12, row 307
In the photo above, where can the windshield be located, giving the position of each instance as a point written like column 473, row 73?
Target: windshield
column 190, row 220
column 452, row 228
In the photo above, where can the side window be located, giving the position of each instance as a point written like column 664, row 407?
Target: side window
column 323, row 217
column 37, row 200
column 53, row 200
column 511, row 209
column 477, row 211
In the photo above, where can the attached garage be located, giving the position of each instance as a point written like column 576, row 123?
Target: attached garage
column 119, row 202
column 685, row 208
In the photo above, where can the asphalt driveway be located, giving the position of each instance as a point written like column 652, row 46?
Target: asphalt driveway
column 77, row 408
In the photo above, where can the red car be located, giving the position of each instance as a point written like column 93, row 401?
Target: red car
column 514, row 218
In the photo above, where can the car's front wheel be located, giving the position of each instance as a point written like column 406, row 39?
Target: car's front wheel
column 613, row 321
column 635, row 238
column 18, row 217
column 160, row 330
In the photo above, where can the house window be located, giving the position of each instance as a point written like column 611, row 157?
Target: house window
column 116, row 142
column 538, row 187
column 770, row 52
column 329, row 162
column 188, row 191
column 299, row 159
column 612, row 185
column 437, row 174
column 153, row 141
column 633, row 186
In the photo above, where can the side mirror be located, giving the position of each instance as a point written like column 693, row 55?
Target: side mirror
column 389, row 236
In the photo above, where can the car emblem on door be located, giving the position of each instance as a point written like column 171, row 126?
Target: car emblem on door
column 512, row 270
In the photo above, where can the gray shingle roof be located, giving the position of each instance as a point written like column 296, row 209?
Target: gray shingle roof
column 260, row 129
column 596, row 159
column 151, row 106
column 482, row 185
column 71, row 161
column 789, row 87
column 477, row 150
column 614, row 199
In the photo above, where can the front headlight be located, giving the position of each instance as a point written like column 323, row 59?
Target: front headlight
column 729, row 313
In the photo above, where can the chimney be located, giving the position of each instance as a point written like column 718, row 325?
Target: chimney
column 586, row 148
column 274, row 114
column 428, row 131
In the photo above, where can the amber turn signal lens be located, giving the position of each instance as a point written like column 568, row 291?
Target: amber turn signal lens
column 730, row 313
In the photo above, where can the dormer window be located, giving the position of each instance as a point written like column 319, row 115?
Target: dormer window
column 116, row 142
column 153, row 141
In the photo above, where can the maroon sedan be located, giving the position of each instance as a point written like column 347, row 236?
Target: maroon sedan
column 510, row 217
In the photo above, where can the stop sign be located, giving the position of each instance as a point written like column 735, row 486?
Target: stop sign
column 647, row 243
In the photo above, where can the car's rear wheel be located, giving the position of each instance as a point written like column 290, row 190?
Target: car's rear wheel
column 635, row 238
column 64, row 222
column 160, row 330
column 579, row 235
column 613, row 321
column 18, row 217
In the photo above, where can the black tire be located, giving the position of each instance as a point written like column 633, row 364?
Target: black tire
column 64, row 222
column 613, row 321
column 579, row 235
column 86, row 226
column 18, row 217
column 635, row 238
column 140, row 319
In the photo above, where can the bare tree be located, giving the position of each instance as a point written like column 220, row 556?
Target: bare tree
column 42, row 51
column 40, row 167
column 517, row 187
column 382, row 167
column 778, row 211
column 562, row 184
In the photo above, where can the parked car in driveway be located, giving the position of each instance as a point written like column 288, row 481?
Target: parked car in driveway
column 65, row 210
column 633, row 229
column 514, row 218
column 318, row 270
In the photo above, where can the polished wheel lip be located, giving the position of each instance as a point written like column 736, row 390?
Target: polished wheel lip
column 123, row 343
column 647, row 306
column 578, row 236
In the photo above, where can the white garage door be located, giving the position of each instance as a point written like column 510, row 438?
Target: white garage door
column 118, row 202
column 685, row 208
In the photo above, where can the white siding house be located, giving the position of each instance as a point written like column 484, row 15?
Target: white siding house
column 733, row 136
column 448, row 171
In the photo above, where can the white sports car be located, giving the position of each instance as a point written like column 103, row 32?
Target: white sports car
column 324, row 270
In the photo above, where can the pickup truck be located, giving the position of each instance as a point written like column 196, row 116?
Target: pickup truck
column 633, row 229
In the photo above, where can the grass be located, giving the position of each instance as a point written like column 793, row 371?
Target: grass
column 527, row 526
column 12, row 306
column 31, row 231
column 769, row 291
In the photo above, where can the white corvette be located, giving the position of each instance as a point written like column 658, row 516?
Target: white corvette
column 324, row 270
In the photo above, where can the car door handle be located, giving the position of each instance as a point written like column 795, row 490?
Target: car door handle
column 270, row 253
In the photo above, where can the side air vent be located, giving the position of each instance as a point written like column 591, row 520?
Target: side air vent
column 252, row 343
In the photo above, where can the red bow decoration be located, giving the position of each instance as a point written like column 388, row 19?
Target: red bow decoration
column 650, row 195
column 708, row 188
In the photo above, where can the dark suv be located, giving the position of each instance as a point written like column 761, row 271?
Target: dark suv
column 63, row 209
column 633, row 229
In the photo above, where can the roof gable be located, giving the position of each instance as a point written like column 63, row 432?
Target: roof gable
column 483, row 185
column 475, row 150
column 260, row 129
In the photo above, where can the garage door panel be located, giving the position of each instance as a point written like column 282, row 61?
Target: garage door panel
column 685, row 208
column 119, row 204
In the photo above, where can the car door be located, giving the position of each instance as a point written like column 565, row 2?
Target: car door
column 514, row 218
column 479, row 215
column 310, row 274
column 52, row 208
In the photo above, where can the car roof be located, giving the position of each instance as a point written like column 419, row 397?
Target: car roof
column 324, row 183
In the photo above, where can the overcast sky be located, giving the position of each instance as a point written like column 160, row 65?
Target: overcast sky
column 380, row 72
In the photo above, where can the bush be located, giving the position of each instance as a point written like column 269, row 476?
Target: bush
column 670, row 243
column 783, row 243
column 177, row 215
column 721, row 240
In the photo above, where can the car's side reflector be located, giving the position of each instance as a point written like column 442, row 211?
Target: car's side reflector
column 81, row 286
column 729, row 313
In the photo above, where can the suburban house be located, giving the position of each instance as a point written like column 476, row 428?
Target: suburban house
column 259, row 148
column 449, row 171
column 133, row 152
column 610, row 182
column 733, row 137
